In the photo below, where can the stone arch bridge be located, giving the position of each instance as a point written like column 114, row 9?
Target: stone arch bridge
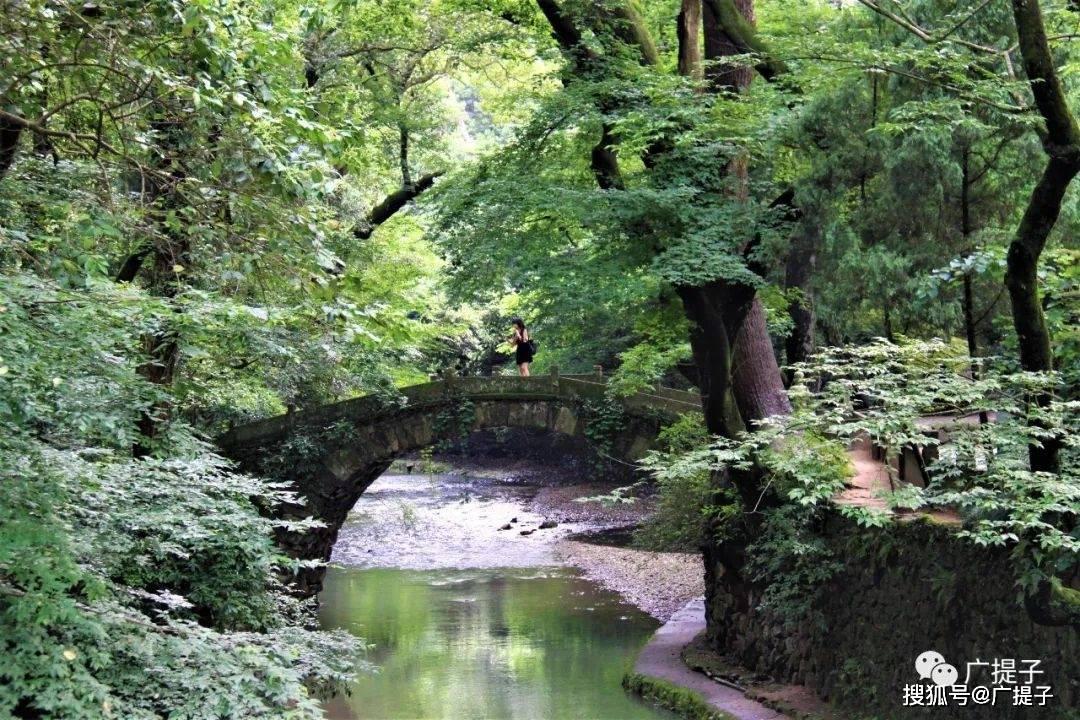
column 331, row 454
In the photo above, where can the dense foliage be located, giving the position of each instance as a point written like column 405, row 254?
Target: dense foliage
column 132, row 587
column 213, row 211
column 888, row 393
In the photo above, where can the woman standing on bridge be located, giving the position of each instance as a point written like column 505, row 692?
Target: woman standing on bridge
column 524, row 348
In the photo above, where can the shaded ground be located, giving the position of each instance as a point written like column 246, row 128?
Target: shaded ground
column 791, row 700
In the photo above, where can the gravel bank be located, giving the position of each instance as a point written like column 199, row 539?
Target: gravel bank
column 658, row 583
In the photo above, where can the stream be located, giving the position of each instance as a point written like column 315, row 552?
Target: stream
column 470, row 621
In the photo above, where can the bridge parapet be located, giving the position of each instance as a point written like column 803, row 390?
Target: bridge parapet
column 588, row 388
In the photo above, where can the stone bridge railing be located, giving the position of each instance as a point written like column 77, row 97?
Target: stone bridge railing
column 553, row 386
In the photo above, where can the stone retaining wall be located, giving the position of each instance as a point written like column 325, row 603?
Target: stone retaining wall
column 903, row 590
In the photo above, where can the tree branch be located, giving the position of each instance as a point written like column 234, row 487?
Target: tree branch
column 392, row 203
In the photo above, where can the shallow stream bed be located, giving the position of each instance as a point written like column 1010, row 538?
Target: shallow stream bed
column 469, row 621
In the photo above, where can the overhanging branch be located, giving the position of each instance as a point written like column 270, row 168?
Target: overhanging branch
column 392, row 203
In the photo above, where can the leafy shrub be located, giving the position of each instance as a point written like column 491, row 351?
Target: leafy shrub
column 883, row 392
column 791, row 563
column 132, row 588
column 684, row 502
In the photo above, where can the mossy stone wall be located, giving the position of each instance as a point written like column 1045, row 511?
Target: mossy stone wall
column 904, row 589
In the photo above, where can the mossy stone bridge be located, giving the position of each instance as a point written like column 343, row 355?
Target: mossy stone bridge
column 331, row 454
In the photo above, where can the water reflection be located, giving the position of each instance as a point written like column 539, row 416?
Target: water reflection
column 491, row 643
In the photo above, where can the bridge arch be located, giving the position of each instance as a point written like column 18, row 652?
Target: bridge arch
column 331, row 454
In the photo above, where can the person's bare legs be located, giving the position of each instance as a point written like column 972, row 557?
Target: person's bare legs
column 523, row 368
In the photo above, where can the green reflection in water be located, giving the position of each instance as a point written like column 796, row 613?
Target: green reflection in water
column 503, row 643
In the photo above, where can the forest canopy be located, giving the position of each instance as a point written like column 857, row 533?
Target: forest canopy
column 215, row 211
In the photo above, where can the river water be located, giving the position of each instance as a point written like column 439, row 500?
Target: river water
column 469, row 621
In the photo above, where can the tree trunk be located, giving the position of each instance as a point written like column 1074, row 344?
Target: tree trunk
column 756, row 377
column 687, row 31
column 801, row 260
column 719, row 43
column 970, row 329
column 403, row 156
column 10, row 132
column 605, row 162
column 713, row 356
column 965, row 233
column 1021, row 279
column 757, row 384
column 1061, row 142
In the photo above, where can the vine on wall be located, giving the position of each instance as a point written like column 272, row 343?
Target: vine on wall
column 454, row 423
column 605, row 421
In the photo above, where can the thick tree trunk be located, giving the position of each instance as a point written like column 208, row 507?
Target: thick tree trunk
column 734, row 19
column 688, row 31
column 757, row 384
column 719, row 43
column 756, row 377
column 713, row 357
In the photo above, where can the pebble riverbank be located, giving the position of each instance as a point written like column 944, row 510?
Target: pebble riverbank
column 660, row 583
